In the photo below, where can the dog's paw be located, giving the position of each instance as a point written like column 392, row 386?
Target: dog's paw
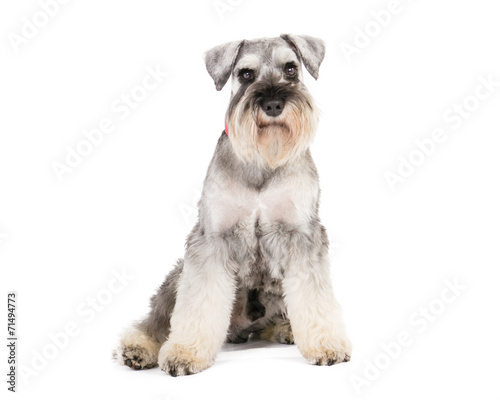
column 178, row 360
column 237, row 337
column 284, row 337
column 279, row 333
column 135, row 357
column 328, row 351
column 137, row 350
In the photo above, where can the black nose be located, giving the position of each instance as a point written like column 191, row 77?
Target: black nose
column 273, row 107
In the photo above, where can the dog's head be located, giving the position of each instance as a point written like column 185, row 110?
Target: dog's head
column 271, row 116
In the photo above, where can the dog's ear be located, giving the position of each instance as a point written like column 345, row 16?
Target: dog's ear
column 220, row 61
column 310, row 50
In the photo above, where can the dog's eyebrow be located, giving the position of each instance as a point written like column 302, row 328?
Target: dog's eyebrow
column 248, row 61
column 284, row 55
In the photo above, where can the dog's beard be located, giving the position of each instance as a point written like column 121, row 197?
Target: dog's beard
column 273, row 141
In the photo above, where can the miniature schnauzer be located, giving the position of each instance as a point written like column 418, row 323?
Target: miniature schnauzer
column 256, row 261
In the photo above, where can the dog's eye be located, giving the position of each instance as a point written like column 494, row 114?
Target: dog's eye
column 290, row 70
column 247, row 74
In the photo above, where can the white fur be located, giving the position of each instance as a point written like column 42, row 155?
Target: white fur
column 201, row 315
column 133, row 338
column 249, row 61
column 283, row 55
column 289, row 201
column 314, row 313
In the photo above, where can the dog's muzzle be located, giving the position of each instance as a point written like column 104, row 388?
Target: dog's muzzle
column 271, row 97
column 273, row 107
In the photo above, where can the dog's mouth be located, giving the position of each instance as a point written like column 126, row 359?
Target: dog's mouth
column 273, row 124
column 264, row 122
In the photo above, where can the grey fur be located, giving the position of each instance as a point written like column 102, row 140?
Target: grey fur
column 311, row 51
column 157, row 323
column 258, row 252
column 220, row 61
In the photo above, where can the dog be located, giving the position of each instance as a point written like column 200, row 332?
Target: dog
column 256, row 261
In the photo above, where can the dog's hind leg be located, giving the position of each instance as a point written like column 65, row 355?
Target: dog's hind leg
column 279, row 332
column 140, row 344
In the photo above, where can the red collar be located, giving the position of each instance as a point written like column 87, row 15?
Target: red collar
column 225, row 123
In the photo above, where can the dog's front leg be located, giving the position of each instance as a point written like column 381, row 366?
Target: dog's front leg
column 314, row 313
column 202, row 312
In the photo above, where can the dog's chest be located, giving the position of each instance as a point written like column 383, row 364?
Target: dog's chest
column 235, row 205
column 257, row 218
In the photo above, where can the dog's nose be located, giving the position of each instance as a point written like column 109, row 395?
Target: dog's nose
column 273, row 107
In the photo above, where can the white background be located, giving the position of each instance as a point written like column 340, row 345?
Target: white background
column 129, row 204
